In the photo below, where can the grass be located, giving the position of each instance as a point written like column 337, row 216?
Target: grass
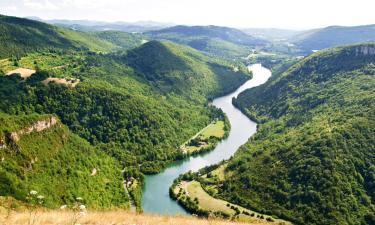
column 218, row 173
column 214, row 129
column 194, row 190
column 112, row 217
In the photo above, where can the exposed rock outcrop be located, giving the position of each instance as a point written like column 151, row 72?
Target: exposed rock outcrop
column 38, row 126
column 365, row 50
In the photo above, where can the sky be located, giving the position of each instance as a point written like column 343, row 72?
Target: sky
column 290, row 14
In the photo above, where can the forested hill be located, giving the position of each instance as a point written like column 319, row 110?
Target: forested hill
column 333, row 36
column 38, row 153
column 185, row 71
column 20, row 36
column 220, row 41
column 312, row 159
column 135, row 108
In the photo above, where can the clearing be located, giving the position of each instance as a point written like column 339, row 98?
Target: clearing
column 25, row 73
column 68, row 82
column 201, row 140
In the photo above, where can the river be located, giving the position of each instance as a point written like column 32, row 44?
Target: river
column 155, row 194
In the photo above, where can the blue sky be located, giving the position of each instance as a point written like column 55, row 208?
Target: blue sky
column 295, row 14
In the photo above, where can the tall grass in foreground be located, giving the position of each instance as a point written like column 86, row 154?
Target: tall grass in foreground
column 63, row 217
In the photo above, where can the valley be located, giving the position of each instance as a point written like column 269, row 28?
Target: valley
column 156, row 187
column 105, row 122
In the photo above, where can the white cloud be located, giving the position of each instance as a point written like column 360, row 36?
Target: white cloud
column 40, row 5
column 11, row 8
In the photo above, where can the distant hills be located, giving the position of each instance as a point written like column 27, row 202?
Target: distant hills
column 332, row 36
column 221, row 41
column 89, row 25
column 271, row 34
column 20, row 36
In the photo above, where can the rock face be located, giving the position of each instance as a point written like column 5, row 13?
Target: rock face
column 365, row 50
column 38, row 126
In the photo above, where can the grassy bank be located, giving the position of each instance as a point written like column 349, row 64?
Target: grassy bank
column 111, row 217
column 207, row 138
column 196, row 192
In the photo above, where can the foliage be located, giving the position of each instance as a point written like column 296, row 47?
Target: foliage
column 20, row 36
column 130, row 110
column 220, row 41
column 312, row 159
column 59, row 164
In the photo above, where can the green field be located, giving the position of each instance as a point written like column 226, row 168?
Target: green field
column 194, row 190
column 207, row 138
column 215, row 129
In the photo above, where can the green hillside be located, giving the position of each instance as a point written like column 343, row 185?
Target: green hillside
column 333, row 36
column 20, row 36
column 121, row 39
column 185, row 71
column 126, row 110
column 220, row 41
column 312, row 159
column 57, row 164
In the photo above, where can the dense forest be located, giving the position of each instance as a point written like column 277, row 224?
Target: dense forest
column 135, row 108
column 57, row 164
column 312, row 159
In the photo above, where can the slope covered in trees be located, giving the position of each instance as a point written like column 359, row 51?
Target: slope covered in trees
column 135, row 107
column 130, row 110
column 220, row 41
column 312, row 159
column 20, row 36
column 38, row 153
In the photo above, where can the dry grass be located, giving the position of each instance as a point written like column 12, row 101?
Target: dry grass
column 61, row 217
column 25, row 73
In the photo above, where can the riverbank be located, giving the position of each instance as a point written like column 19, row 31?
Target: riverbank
column 197, row 192
column 156, row 188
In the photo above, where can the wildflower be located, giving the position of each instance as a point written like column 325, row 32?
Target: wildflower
column 82, row 207
column 63, row 207
column 79, row 199
column 32, row 192
column 40, row 197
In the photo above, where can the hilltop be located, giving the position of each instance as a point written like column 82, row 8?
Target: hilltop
column 220, row 41
column 20, row 36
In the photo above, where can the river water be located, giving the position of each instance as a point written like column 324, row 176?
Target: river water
column 155, row 194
